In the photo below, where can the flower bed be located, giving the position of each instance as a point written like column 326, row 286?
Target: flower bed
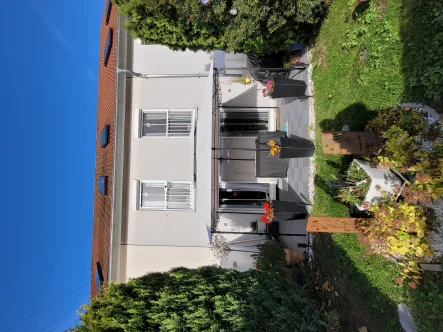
column 368, row 185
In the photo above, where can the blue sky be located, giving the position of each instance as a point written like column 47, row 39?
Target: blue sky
column 49, row 65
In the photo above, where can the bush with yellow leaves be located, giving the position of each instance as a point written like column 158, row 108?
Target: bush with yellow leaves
column 398, row 229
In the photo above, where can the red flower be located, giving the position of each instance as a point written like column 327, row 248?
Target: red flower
column 264, row 91
column 266, row 206
column 257, row 268
column 412, row 284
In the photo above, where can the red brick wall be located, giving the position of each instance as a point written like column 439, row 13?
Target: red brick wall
column 104, row 156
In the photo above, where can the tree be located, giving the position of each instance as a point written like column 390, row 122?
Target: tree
column 259, row 27
column 205, row 299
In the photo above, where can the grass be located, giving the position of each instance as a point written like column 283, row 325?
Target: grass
column 377, row 58
column 362, row 287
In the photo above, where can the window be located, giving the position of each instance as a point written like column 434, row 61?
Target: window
column 108, row 11
column 108, row 47
column 103, row 184
column 104, row 136
column 167, row 195
column 167, row 123
column 98, row 277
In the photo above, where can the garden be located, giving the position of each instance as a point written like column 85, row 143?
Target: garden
column 368, row 60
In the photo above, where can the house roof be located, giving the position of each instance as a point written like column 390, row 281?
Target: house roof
column 104, row 159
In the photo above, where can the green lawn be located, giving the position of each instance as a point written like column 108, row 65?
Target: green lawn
column 387, row 54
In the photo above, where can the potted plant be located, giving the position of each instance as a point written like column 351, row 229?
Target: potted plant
column 274, row 148
column 291, row 59
column 276, row 210
column 272, row 257
column 366, row 185
column 268, row 216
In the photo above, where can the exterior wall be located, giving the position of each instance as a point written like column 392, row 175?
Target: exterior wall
column 143, row 259
column 243, row 245
column 159, row 59
column 161, row 240
column 237, row 94
column 240, row 95
column 237, row 260
column 155, row 158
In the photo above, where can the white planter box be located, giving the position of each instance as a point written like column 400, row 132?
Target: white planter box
column 381, row 177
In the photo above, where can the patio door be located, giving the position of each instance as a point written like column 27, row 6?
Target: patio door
column 240, row 196
column 243, row 123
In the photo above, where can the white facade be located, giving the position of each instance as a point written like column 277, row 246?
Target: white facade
column 160, row 238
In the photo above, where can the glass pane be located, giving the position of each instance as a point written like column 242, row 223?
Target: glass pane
column 180, row 123
column 260, row 115
column 98, row 281
column 243, row 129
column 154, row 124
column 154, row 118
column 153, row 195
column 243, row 123
column 180, row 196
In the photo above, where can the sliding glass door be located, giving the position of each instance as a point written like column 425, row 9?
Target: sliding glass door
column 239, row 196
column 243, row 123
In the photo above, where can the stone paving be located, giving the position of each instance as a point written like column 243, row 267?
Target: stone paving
column 294, row 118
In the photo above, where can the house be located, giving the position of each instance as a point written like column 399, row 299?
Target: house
column 175, row 157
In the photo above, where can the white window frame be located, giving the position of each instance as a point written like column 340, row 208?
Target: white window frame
column 165, row 202
column 167, row 110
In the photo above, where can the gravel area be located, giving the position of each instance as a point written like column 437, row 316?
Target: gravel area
column 436, row 236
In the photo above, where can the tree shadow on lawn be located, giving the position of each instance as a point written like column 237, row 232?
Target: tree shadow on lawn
column 320, row 182
column 355, row 116
column 349, row 291
column 421, row 32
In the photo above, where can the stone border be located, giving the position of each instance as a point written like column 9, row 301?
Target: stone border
column 311, row 134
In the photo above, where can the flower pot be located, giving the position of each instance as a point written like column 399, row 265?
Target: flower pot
column 382, row 180
column 273, row 228
column 286, row 88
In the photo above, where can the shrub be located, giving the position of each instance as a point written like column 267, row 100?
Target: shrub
column 204, row 299
column 271, row 257
column 399, row 226
column 413, row 121
column 413, row 143
column 426, row 305
column 356, row 193
column 259, row 27
column 398, row 230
